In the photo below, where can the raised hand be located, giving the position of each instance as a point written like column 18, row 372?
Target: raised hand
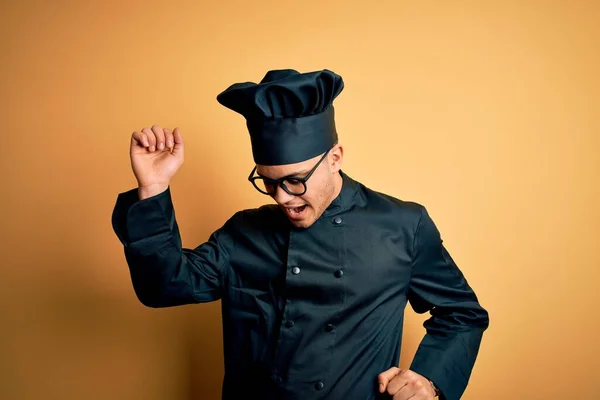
column 156, row 154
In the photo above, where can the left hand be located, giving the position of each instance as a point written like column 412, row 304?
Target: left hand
column 404, row 384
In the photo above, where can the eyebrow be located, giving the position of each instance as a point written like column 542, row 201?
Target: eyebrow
column 298, row 174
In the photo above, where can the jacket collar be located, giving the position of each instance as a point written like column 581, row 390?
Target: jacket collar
column 346, row 199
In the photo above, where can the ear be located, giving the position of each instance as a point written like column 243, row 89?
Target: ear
column 336, row 156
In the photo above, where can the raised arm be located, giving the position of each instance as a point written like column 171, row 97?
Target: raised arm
column 163, row 273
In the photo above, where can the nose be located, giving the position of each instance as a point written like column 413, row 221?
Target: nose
column 281, row 196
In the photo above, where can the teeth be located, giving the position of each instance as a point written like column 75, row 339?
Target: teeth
column 295, row 210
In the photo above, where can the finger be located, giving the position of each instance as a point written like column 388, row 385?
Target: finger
column 139, row 139
column 385, row 377
column 168, row 138
column 405, row 393
column 150, row 137
column 413, row 390
column 145, row 140
column 160, row 137
column 178, row 140
column 400, row 384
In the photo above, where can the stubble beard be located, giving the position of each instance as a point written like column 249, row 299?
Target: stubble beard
column 323, row 201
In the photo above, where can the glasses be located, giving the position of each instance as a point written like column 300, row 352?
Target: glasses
column 293, row 185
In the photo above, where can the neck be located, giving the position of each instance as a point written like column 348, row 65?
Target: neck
column 338, row 182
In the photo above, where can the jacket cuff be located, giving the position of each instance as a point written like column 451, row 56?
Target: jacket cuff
column 134, row 219
column 442, row 360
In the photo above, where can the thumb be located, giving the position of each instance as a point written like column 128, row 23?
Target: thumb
column 385, row 377
column 178, row 145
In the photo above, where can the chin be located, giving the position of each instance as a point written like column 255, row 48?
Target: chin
column 305, row 223
column 304, row 220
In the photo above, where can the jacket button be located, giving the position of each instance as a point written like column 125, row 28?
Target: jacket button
column 329, row 328
column 339, row 273
column 337, row 220
column 295, row 270
column 319, row 385
column 289, row 324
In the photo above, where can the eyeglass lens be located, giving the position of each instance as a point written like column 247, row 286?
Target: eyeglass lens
column 293, row 186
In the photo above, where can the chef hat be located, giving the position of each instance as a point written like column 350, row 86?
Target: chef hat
column 289, row 115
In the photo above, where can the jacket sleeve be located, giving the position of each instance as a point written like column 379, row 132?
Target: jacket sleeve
column 163, row 273
column 447, row 353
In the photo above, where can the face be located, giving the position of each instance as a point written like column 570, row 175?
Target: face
column 322, row 187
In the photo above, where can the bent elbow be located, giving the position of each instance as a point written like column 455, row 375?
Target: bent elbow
column 149, row 298
column 150, row 302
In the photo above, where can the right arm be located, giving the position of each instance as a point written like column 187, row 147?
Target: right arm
column 163, row 273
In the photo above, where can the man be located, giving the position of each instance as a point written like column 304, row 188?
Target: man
column 313, row 289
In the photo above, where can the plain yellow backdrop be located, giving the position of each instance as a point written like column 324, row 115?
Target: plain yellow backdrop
column 486, row 112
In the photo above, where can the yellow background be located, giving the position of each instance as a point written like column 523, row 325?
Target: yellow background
column 485, row 112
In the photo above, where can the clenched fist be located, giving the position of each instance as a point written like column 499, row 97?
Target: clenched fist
column 404, row 384
column 156, row 155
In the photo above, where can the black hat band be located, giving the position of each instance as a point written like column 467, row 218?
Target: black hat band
column 291, row 140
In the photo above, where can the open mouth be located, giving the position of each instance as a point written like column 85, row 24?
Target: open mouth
column 296, row 213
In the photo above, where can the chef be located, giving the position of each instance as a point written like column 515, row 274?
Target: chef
column 313, row 288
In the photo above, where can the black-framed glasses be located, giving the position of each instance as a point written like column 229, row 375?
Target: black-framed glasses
column 293, row 185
